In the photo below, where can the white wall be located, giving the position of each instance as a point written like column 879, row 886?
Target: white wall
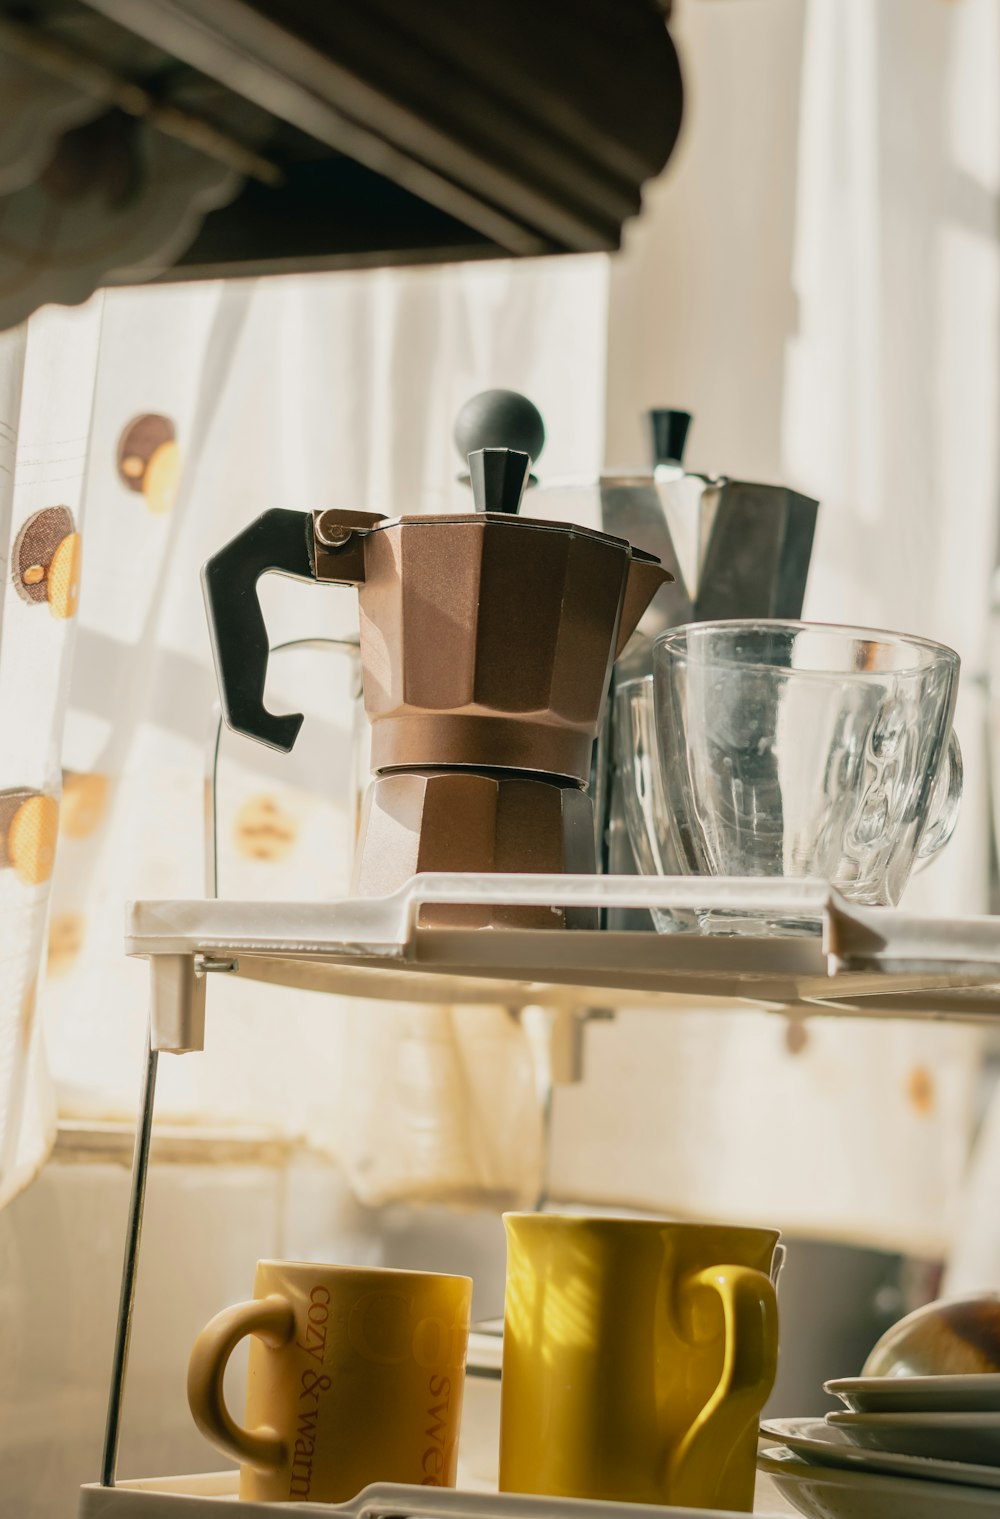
column 701, row 303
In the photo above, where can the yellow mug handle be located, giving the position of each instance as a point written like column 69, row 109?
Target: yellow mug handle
column 750, row 1360
column 272, row 1320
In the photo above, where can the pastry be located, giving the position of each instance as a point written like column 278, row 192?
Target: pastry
column 84, row 799
column 45, row 562
column 28, row 823
column 65, row 941
column 263, row 830
column 920, row 1089
column 149, row 460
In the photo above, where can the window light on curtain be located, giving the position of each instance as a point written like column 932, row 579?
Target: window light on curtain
column 195, row 409
column 829, row 329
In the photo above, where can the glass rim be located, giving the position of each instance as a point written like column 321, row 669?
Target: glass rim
column 674, row 639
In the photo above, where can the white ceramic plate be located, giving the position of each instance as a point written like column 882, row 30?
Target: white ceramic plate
column 822, row 1492
column 900, row 1395
column 948, row 1437
column 815, row 1440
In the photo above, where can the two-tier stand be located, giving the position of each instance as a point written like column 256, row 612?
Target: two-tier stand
column 871, row 961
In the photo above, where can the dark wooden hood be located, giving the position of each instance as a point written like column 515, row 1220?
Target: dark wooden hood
column 365, row 132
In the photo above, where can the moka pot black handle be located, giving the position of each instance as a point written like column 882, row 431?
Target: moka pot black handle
column 278, row 540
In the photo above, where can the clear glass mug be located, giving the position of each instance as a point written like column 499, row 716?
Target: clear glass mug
column 803, row 749
column 647, row 815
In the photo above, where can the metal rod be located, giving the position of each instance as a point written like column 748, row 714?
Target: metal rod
column 351, row 646
column 140, row 1167
column 212, row 803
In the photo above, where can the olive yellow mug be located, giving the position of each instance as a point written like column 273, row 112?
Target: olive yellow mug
column 356, row 1375
column 637, row 1356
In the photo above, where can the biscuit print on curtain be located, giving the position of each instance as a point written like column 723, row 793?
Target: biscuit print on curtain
column 214, row 403
column 140, row 697
column 47, row 372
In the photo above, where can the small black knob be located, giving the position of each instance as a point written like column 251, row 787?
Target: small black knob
column 500, row 419
column 498, row 476
column 668, row 432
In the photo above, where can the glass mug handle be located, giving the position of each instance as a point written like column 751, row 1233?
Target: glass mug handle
column 272, row 1320
column 750, row 1316
column 945, row 798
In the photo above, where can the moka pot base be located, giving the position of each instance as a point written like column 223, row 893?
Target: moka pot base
column 479, row 821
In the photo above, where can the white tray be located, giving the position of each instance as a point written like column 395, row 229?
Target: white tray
column 201, row 1497
column 873, row 961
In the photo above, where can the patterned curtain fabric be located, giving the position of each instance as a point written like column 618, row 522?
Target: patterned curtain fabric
column 47, row 375
column 154, row 424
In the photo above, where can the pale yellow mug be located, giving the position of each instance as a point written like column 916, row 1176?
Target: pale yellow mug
column 356, row 1375
column 637, row 1356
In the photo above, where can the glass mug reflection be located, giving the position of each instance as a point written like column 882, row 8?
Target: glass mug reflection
column 647, row 813
column 637, row 1356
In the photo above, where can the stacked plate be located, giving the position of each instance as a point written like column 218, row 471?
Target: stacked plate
column 908, row 1447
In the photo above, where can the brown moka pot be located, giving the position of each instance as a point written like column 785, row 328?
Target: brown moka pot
column 487, row 642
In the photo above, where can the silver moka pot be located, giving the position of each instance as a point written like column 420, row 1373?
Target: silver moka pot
column 736, row 548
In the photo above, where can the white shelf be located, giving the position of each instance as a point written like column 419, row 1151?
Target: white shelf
column 868, row 961
column 203, row 1497
column 872, row 962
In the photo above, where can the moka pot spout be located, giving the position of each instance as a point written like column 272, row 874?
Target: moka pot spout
column 645, row 576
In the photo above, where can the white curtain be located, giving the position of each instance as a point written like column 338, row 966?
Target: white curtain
column 816, row 278
column 211, row 404
column 46, row 391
